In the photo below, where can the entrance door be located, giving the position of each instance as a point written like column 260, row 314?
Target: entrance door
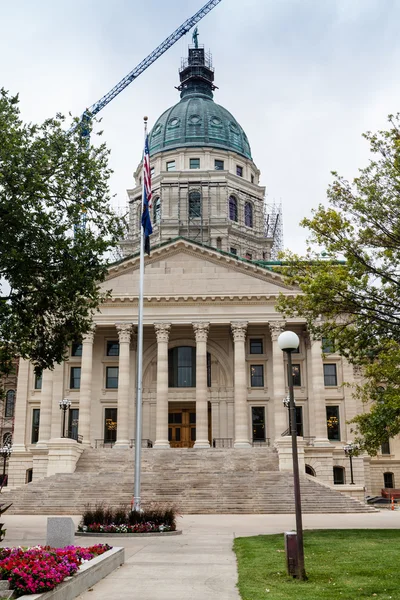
column 181, row 428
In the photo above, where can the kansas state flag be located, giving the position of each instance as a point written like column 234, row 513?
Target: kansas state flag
column 147, row 198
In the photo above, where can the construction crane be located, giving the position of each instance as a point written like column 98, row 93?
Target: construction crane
column 146, row 62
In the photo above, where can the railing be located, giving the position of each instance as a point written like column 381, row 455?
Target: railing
column 145, row 443
column 265, row 442
column 72, row 435
column 286, row 432
column 103, row 443
column 222, row 443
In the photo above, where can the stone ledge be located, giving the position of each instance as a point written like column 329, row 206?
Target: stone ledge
column 117, row 535
column 88, row 575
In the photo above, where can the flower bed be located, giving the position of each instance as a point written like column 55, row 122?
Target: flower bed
column 41, row 569
column 102, row 519
column 124, row 528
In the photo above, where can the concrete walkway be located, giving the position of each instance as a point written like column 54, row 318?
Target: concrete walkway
column 199, row 564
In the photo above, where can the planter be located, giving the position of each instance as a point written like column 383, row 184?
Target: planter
column 148, row 534
column 87, row 575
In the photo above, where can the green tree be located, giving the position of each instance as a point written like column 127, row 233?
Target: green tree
column 351, row 294
column 50, row 265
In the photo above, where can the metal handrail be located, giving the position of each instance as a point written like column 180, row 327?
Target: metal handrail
column 146, row 443
column 101, row 443
column 222, row 442
column 75, row 436
column 265, row 442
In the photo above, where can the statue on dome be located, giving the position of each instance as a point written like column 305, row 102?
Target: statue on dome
column 195, row 37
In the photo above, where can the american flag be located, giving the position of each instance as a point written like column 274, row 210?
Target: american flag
column 147, row 197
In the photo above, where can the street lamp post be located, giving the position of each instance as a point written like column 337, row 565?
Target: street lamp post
column 288, row 341
column 5, row 453
column 350, row 450
column 65, row 404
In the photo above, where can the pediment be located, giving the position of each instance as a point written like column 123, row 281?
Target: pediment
column 186, row 269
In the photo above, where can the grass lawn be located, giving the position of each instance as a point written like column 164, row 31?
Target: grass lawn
column 340, row 564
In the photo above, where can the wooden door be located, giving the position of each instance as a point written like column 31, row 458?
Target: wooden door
column 181, row 428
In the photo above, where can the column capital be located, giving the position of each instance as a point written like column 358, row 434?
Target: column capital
column 124, row 331
column 239, row 330
column 88, row 338
column 276, row 328
column 201, row 331
column 162, row 331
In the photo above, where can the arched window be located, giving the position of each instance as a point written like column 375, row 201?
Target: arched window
column 10, row 403
column 388, row 480
column 194, row 204
column 157, row 211
column 338, row 475
column 248, row 214
column 310, row 470
column 233, row 209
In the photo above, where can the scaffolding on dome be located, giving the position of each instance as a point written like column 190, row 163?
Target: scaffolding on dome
column 273, row 226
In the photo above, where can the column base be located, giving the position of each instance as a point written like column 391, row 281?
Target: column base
column 322, row 443
column 161, row 444
column 201, row 444
column 242, row 444
column 124, row 444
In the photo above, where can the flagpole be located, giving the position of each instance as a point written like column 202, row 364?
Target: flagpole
column 139, row 389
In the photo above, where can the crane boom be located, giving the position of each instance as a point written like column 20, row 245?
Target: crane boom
column 152, row 57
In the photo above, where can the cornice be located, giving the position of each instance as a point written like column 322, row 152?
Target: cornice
column 248, row 300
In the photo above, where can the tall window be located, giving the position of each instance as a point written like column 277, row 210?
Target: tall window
column 38, row 381
column 385, row 447
column 258, row 423
column 112, row 348
column 299, row 421
column 35, row 425
column 338, row 475
column 10, row 403
column 157, row 211
column 330, row 375
column 110, row 424
column 257, row 375
column 333, row 422
column 296, row 374
column 248, row 214
column 239, row 170
column 208, row 369
column 75, row 378
column 73, row 421
column 111, row 378
column 233, row 209
column 194, row 163
column 76, row 349
column 182, row 367
column 194, row 204
column 388, row 480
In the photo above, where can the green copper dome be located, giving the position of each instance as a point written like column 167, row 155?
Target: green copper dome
column 197, row 121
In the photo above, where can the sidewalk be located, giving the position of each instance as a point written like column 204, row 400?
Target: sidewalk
column 197, row 565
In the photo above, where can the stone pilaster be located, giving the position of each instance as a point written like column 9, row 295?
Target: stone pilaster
column 162, row 334
column 317, row 395
column 46, row 398
column 240, row 392
column 58, row 390
column 201, row 334
column 279, row 380
column 124, row 334
column 133, row 384
column 85, row 395
column 21, row 407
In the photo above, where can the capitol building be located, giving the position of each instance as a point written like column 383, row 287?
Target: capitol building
column 213, row 374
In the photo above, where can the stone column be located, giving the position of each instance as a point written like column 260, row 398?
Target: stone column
column 46, row 398
column 317, row 395
column 162, row 333
column 21, row 407
column 86, row 387
column 201, row 333
column 241, row 416
column 124, row 334
column 279, row 380
column 132, row 385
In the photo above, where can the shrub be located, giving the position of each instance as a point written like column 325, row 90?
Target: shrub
column 122, row 520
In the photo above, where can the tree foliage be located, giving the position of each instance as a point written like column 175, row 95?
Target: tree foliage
column 351, row 294
column 50, row 265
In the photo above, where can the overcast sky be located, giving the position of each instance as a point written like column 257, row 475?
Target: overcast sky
column 304, row 78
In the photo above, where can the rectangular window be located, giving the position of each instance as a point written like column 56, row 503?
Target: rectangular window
column 239, row 171
column 73, row 420
column 75, row 378
column 194, row 163
column 327, row 345
column 257, row 375
column 385, row 448
column 76, row 349
column 110, row 425
column 299, row 421
column 248, row 256
column 35, row 425
column 256, row 346
column 330, row 375
column 113, row 348
column 38, row 381
column 258, row 423
column 208, row 369
column 171, row 165
column 152, row 171
column 219, row 165
column 233, row 250
column 296, row 374
column 333, row 423
column 252, row 178
column 111, row 378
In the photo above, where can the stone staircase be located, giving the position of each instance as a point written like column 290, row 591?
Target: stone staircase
column 195, row 481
